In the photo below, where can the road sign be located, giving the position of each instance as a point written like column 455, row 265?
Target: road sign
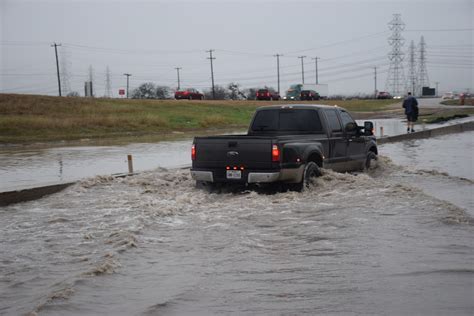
column 121, row 91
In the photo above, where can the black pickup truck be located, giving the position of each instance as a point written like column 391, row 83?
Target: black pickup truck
column 287, row 144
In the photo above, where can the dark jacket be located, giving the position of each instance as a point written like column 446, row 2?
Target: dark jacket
column 410, row 104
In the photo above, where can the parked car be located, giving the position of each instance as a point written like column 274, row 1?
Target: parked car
column 450, row 96
column 286, row 144
column 383, row 95
column 190, row 94
column 309, row 95
column 265, row 94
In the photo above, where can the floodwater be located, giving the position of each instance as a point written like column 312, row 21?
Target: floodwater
column 371, row 243
column 22, row 168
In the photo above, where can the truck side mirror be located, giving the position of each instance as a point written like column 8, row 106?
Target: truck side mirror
column 368, row 128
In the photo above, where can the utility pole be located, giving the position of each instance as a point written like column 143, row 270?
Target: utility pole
column 212, row 73
column 128, row 75
column 278, row 70
column 177, row 70
column 108, row 84
column 316, row 63
column 57, row 65
column 302, row 68
column 375, row 81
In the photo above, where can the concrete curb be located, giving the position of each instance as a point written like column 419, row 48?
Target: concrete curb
column 11, row 197
column 443, row 130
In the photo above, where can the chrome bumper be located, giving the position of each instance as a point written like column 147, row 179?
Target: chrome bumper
column 255, row 177
column 286, row 175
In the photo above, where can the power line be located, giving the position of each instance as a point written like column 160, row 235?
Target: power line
column 442, row 30
column 338, row 43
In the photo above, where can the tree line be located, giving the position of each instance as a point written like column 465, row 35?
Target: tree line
column 232, row 91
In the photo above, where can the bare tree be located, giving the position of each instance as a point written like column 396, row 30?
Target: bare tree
column 145, row 91
column 163, row 92
column 221, row 93
column 234, row 91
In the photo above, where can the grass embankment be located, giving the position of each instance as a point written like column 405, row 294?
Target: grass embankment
column 31, row 118
column 469, row 101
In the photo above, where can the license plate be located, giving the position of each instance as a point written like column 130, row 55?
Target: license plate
column 234, row 174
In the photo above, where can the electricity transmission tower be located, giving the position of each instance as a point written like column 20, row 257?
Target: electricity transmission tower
column 412, row 77
column 65, row 72
column 108, row 84
column 395, row 79
column 423, row 80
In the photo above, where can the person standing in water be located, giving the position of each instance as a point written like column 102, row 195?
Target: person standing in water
column 410, row 104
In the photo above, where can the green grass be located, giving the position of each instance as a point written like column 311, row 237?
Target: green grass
column 443, row 115
column 30, row 118
column 458, row 102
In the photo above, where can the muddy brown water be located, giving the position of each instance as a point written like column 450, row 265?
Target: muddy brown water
column 376, row 243
column 41, row 164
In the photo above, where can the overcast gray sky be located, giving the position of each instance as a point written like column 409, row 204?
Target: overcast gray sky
column 150, row 38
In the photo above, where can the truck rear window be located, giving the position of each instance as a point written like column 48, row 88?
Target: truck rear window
column 287, row 120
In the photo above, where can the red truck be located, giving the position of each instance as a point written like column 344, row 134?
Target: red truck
column 266, row 94
column 190, row 94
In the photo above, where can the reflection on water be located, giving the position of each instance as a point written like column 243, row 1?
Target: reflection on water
column 444, row 166
column 386, row 127
column 23, row 168
column 450, row 153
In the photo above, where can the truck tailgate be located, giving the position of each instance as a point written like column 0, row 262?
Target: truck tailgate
column 249, row 152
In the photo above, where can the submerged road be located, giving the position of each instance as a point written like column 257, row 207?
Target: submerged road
column 385, row 242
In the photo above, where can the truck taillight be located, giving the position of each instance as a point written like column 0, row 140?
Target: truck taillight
column 193, row 152
column 275, row 154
